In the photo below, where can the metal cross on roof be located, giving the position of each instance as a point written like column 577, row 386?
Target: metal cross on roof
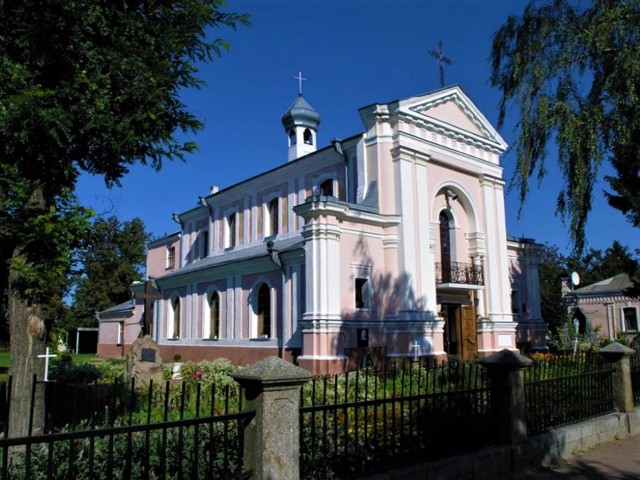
column 300, row 79
column 442, row 60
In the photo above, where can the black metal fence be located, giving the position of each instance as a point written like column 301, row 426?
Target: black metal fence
column 170, row 431
column 635, row 377
column 565, row 389
column 370, row 419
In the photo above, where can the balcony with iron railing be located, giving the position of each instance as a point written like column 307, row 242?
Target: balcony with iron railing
column 459, row 273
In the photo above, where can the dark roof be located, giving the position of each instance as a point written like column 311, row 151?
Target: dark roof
column 123, row 307
column 300, row 112
column 617, row 283
column 254, row 251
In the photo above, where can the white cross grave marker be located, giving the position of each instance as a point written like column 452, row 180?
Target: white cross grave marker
column 46, row 357
column 415, row 346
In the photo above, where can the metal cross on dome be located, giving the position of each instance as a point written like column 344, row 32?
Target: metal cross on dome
column 300, row 79
column 442, row 60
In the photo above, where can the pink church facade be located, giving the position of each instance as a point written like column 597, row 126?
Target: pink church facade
column 389, row 244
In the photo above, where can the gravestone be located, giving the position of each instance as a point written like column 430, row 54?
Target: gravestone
column 144, row 362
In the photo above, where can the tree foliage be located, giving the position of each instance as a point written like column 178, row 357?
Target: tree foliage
column 551, row 271
column 572, row 70
column 93, row 86
column 114, row 257
column 85, row 86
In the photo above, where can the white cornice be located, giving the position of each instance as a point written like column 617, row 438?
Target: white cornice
column 321, row 205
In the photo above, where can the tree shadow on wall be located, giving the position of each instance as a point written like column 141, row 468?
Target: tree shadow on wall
column 387, row 295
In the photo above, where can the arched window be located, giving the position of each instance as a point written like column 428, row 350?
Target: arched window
column 326, row 187
column 292, row 137
column 274, row 213
column 445, row 247
column 214, row 315
column 308, row 137
column 175, row 309
column 263, row 311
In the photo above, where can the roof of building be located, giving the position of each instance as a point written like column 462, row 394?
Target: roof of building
column 123, row 309
column 300, row 112
column 617, row 283
column 260, row 250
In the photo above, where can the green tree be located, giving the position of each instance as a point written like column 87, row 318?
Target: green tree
column 551, row 271
column 113, row 258
column 85, row 85
column 572, row 70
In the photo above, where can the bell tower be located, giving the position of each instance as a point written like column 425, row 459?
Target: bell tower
column 300, row 123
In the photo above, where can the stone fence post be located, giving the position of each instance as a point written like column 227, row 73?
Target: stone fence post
column 272, row 438
column 506, row 382
column 618, row 355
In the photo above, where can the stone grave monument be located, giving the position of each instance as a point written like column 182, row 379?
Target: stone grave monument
column 144, row 362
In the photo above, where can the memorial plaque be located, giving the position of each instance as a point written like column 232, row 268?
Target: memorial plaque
column 144, row 362
column 148, row 355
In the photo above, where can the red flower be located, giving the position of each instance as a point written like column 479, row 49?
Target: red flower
column 197, row 374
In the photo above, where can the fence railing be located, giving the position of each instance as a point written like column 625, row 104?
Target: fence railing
column 330, row 427
column 461, row 273
column 165, row 432
column 367, row 420
column 635, row 377
column 565, row 389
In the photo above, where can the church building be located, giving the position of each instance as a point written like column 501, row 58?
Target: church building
column 391, row 243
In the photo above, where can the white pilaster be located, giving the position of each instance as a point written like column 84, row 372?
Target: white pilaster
column 496, row 267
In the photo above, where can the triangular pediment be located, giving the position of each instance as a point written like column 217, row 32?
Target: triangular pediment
column 450, row 109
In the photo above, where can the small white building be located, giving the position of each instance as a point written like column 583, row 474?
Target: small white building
column 390, row 243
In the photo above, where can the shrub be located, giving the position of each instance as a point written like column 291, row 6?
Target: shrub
column 78, row 373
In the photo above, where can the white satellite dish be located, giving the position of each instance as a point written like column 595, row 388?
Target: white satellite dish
column 575, row 279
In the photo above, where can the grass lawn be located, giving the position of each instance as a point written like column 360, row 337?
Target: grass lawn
column 4, row 362
column 5, row 358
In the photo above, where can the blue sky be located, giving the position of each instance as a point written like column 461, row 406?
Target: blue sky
column 353, row 53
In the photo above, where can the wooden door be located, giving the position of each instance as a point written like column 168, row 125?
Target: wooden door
column 468, row 334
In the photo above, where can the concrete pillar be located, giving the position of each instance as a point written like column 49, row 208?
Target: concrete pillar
column 272, row 438
column 618, row 355
column 506, row 382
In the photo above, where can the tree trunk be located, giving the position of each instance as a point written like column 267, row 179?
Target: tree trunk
column 26, row 415
column 27, row 341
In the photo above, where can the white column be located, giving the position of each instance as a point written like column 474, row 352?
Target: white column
column 404, row 190
column 425, row 252
column 322, row 253
column 480, row 307
column 238, row 311
column 496, row 266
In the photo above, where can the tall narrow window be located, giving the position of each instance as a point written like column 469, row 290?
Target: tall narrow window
column 231, row 230
column 120, row 333
column 326, row 188
column 292, row 137
column 263, row 312
column 273, row 216
column 361, row 293
column 630, row 316
column 204, row 243
column 214, row 315
column 176, row 317
column 445, row 247
column 171, row 258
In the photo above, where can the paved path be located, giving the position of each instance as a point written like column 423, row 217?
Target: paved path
column 619, row 460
